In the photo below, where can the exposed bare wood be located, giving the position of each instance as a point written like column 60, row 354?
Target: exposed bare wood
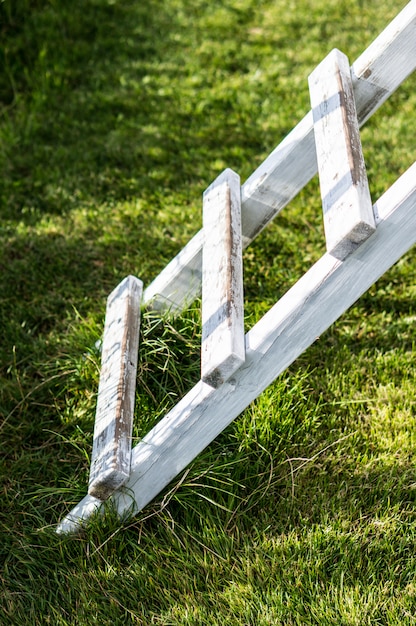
column 222, row 350
column 110, row 460
column 346, row 200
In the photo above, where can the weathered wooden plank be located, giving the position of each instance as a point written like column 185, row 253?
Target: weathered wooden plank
column 222, row 349
column 110, row 460
column 375, row 75
column 346, row 200
column 291, row 325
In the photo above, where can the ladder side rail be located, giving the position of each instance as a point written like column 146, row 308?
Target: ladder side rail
column 316, row 301
column 376, row 74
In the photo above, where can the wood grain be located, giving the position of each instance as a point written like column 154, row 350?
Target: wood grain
column 222, row 350
column 110, row 460
column 346, row 200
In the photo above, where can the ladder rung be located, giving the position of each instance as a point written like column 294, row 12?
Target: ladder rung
column 110, row 460
column 346, row 200
column 223, row 349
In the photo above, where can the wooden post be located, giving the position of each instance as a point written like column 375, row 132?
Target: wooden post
column 110, row 461
column 223, row 349
column 346, row 200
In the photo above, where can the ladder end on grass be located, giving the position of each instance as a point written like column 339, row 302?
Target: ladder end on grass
column 79, row 515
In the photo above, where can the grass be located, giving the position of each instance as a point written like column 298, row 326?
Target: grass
column 114, row 119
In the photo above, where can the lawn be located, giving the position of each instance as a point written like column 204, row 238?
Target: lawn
column 114, row 118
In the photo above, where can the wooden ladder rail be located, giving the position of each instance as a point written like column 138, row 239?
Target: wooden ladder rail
column 289, row 328
column 349, row 221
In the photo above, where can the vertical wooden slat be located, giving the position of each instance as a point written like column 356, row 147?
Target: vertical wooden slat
column 222, row 281
column 110, row 461
column 346, row 200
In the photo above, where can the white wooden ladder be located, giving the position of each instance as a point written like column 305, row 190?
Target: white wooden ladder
column 363, row 241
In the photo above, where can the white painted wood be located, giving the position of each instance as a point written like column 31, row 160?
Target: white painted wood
column 385, row 64
column 346, row 200
column 79, row 514
column 375, row 75
column 222, row 349
column 291, row 325
column 180, row 282
column 110, row 460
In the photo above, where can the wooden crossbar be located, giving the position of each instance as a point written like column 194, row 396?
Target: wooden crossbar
column 222, row 350
column 110, row 459
column 291, row 325
column 346, row 200
column 376, row 74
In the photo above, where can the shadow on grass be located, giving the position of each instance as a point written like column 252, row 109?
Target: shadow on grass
column 81, row 136
column 101, row 108
column 106, row 109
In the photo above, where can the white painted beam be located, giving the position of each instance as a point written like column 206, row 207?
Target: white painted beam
column 180, row 282
column 291, row 325
column 110, row 460
column 222, row 349
column 346, row 200
column 381, row 68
